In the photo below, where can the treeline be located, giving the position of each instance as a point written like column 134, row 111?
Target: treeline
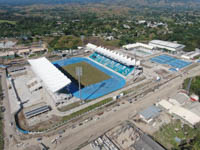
column 195, row 85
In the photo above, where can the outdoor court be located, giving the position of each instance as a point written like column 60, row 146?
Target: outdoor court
column 171, row 61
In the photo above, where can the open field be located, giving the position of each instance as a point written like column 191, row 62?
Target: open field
column 167, row 134
column 91, row 75
column 7, row 21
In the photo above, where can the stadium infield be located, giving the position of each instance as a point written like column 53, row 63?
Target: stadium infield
column 93, row 91
column 90, row 74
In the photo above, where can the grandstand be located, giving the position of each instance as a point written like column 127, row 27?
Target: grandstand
column 53, row 79
column 175, row 63
column 113, row 60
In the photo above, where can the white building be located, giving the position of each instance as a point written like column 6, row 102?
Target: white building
column 136, row 45
column 180, row 112
column 191, row 55
column 51, row 78
column 170, row 46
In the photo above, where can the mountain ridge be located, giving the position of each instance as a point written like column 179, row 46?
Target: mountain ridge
column 155, row 3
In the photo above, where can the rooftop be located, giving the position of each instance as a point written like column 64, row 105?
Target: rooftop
column 53, row 78
column 150, row 112
column 166, row 43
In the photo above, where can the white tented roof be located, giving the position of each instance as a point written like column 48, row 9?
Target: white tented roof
column 53, row 78
column 91, row 46
column 114, row 55
column 129, row 46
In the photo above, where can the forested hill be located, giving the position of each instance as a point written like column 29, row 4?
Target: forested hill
column 133, row 3
column 30, row 2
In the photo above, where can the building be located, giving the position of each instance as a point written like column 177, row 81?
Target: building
column 180, row 112
column 53, row 78
column 35, row 110
column 136, row 45
column 32, row 50
column 181, row 98
column 7, row 44
column 149, row 113
column 147, row 143
column 191, row 55
column 23, row 52
column 7, row 54
column 165, row 45
column 50, row 77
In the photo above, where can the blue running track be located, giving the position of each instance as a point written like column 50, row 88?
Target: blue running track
column 97, row 90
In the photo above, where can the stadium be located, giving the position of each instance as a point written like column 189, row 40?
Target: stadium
column 103, row 72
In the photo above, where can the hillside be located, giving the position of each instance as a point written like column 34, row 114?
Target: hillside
column 131, row 3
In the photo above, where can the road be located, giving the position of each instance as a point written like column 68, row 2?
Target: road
column 8, row 117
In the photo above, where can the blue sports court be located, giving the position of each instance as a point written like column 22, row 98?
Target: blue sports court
column 172, row 61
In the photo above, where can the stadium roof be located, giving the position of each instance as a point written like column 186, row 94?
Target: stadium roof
column 91, row 46
column 167, row 45
column 114, row 55
column 130, row 46
column 53, row 78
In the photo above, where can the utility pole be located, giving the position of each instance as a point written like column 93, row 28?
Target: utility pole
column 79, row 73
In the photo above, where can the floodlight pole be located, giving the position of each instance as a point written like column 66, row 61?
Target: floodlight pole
column 79, row 73
column 79, row 80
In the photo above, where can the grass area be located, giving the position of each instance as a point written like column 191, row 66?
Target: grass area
column 7, row 21
column 70, row 106
column 195, row 85
column 87, row 109
column 65, row 42
column 91, row 75
column 167, row 133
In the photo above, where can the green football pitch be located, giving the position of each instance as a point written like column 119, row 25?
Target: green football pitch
column 91, row 75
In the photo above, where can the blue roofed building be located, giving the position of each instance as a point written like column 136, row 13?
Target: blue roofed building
column 149, row 113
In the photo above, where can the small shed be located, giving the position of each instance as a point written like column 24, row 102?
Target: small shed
column 150, row 113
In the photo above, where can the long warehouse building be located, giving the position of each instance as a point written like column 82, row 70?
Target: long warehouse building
column 170, row 46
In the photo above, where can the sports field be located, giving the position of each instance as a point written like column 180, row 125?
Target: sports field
column 91, row 75
column 114, row 82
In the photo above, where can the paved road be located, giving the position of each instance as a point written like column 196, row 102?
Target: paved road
column 8, row 117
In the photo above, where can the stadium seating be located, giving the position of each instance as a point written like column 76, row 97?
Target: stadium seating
column 112, row 64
